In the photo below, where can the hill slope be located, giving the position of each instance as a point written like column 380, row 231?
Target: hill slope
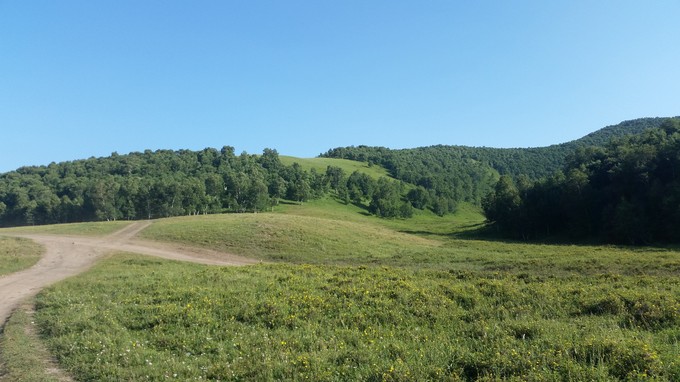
column 467, row 173
column 534, row 162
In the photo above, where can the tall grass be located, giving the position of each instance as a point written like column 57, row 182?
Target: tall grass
column 352, row 297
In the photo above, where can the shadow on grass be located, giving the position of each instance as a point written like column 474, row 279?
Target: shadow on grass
column 490, row 233
column 473, row 231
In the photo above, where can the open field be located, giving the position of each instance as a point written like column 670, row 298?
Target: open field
column 353, row 297
column 135, row 318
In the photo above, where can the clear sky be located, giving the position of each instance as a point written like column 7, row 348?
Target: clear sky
column 86, row 78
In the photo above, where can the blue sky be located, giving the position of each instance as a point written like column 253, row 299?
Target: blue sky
column 86, row 78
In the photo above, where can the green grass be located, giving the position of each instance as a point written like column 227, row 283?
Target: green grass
column 85, row 229
column 349, row 166
column 362, row 298
column 326, row 232
column 24, row 357
column 290, row 238
column 135, row 318
column 17, row 254
column 423, row 223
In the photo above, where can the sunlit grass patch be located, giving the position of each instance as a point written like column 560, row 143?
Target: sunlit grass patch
column 348, row 166
column 301, row 239
column 17, row 254
column 86, row 229
column 323, row 233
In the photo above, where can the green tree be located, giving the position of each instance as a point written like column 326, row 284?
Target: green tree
column 418, row 197
column 502, row 205
column 386, row 200
column 336, row 177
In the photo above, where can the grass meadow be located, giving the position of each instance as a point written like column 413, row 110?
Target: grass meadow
column 348, row 166
column 136, row 318
column 344, row 297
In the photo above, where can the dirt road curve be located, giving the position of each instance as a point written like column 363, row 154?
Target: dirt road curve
column 66, row 256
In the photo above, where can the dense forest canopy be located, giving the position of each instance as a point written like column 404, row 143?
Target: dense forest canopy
column 625, row 192
column 462, row 173
column 170, row 183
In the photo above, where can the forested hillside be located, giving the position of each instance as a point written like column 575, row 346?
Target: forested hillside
column 626, row 192
column 166, row 183
column 468, row 173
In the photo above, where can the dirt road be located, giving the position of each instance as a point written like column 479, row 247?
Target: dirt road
column 67, row 256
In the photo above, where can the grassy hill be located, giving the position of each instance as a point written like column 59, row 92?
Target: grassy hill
column 348, row 166
column 328, row 232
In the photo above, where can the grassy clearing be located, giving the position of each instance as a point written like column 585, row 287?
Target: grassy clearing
column 17, row 254
column 349, row 166
column 325, row 232
column 134, row 318
column 24, row 357
column 84, row 229
column 423, row 223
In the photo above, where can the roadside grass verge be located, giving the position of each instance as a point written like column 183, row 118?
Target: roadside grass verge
column 137, row 318
column 17, row 254
column 24, row 357
column 82, row 229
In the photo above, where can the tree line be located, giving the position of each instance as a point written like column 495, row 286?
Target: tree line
column 167, row 183
column 625, row 192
